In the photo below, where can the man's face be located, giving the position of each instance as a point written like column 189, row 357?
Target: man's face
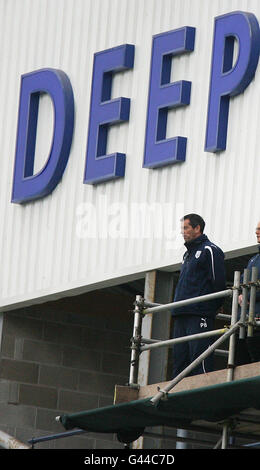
column 257, row 232
column 189, row 233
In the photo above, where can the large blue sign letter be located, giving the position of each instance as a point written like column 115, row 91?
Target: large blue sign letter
column 104, row 112
column 228, row 80
column 26, row 185
column 164, row 95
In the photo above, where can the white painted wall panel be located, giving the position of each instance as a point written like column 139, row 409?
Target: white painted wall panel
column 41, row 252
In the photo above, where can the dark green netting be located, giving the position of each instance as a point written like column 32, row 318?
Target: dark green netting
column 213, row 403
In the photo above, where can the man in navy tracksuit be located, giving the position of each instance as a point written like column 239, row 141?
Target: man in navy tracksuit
column 249, row 350
column 202, row 272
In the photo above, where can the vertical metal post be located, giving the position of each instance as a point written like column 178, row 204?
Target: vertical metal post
column 146, row 331
column 135, row 341
column 152, row 366
column 224, row 436
column 147, row 328
column 242, row 331
column 232, row 341
column 251, row 316
column 181, row 444
column 231, row 352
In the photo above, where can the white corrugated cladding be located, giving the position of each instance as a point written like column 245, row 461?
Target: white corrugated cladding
column 74, row 239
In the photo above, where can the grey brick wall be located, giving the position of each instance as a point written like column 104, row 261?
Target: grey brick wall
column 63, row 356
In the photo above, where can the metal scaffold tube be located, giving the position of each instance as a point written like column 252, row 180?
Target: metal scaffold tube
column 135, row 341
column 10, row 442
column 182, row 303
column 242, row 332
column 224, row 440
column 163, row 392
column 252, row 301
column 232, row 341
column 182, row 339
column 231, row 351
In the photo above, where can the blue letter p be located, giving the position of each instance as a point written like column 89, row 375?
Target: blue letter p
column 228, row 80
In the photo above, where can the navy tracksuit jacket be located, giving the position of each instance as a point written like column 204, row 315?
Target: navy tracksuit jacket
column 202, row 272
column 255, row 262
column 248, row 349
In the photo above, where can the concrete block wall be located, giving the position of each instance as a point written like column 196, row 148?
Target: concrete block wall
column 63, row 356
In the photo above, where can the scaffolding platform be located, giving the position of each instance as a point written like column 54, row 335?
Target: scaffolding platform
column 203, row 403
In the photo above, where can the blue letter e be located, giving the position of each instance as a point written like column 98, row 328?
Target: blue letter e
column 28, row 186
column 105, row 112
column 164, row 95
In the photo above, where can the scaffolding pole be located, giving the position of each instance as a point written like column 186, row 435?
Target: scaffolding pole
column 232, row 341
column 183, row 303
column 163, row 392
column 135, row 341
column 10, row 442
column 242, row 332
column 231, row 351
column 251, row 315
column 182, row 339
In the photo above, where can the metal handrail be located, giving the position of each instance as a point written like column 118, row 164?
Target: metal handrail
column 183, row 303
column 182, row 339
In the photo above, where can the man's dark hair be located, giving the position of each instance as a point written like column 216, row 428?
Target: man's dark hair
column 195, row 220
